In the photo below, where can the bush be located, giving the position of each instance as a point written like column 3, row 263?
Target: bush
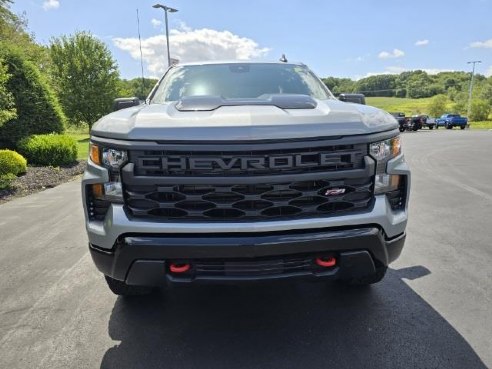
column 6, row 181
column 12, row 163
column 480, row 110
column 51, row 149
column 38, row 109
column 437, row 106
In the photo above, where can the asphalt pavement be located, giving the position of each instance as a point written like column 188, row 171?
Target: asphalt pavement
column 433, row 309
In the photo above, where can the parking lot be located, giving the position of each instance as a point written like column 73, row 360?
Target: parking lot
column 433, row 309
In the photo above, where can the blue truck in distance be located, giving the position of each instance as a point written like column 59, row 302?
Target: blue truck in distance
column 451, row 120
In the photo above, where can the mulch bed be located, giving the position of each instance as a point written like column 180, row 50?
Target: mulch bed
column 40, row 178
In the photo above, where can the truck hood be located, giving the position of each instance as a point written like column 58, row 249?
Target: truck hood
column 163, row 122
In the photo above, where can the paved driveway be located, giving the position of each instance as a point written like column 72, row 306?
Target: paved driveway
column 433, row 310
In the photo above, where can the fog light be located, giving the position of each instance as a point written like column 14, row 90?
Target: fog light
column 113, row 191
column 386, row 183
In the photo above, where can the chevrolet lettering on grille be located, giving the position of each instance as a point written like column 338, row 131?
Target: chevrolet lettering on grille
column 180, row 163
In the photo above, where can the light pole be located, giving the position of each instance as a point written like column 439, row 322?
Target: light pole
column 166, row 10
column 471, row 85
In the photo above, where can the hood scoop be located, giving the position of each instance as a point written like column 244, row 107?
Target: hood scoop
column 282, row 101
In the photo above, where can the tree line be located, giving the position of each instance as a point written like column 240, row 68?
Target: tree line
column 446, row 88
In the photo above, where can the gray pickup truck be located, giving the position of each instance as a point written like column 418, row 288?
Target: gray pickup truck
column 244, row 171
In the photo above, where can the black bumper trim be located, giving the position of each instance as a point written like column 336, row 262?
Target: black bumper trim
column 141, row 258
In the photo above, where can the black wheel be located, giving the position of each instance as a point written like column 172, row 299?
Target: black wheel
column 401, row 129
column 122, row 289
column 463, row 127
column 367, row 280
column 449, row 126
column 437, row 127
column 431, row 127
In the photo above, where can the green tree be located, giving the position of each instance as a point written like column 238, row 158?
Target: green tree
column 38, row 110
column 13, row 33
column 480, row 110
column 7, row 105
column 486, row 92
column 437, row 106
column 86, row 76
column 136, row 87
column 380, row 85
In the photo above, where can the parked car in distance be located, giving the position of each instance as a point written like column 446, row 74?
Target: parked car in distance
column 420, row 121
column 429, row 122
column 451, row 120
column 402, row 121
column 416, row 122
column 353, row 98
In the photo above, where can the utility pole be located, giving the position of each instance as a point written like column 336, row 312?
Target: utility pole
column 166, row 10
column 471, row 85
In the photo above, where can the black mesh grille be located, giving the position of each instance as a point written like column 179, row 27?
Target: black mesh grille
column 260, row 267
column 255, row 202
column 272, row 197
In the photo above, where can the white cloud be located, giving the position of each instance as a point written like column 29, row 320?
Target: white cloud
column 487, row 44
column 396, row 53
column 190, row 45
column 155, row 22
column 488, row 72
column 51, row 4
column 422, row 43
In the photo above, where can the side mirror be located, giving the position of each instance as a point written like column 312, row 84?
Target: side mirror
column 125, row 102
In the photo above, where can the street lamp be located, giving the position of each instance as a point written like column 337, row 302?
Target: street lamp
column 166, row 10
column 471, row 85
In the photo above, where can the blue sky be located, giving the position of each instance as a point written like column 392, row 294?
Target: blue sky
column 335, row 38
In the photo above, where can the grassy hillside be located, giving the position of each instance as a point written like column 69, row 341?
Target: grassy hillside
column 395, row 104
column 414, row 106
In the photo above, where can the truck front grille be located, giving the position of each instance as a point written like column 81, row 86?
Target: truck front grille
column 255, row 202
column 251, row 183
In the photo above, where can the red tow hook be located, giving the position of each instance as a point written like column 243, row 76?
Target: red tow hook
column 179, row 268
column 326, row 262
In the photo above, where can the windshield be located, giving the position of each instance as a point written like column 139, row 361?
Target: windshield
column 239, row 81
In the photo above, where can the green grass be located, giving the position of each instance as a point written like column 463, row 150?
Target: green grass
column 396, row 104
column 81, row 135
column 415, row 106
column 481, row 125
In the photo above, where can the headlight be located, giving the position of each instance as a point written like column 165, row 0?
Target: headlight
column 114, row 158
column 385, row 150
column 110, row 158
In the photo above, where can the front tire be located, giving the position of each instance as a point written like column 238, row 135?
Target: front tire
column 463, row 127
column 120, row 288
column 367, row 280
column 449, row 126
column 431, row 127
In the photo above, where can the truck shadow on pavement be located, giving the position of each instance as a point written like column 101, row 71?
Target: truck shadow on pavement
column 296, row 325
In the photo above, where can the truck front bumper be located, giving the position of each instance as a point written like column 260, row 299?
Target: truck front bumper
column 145, row 259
